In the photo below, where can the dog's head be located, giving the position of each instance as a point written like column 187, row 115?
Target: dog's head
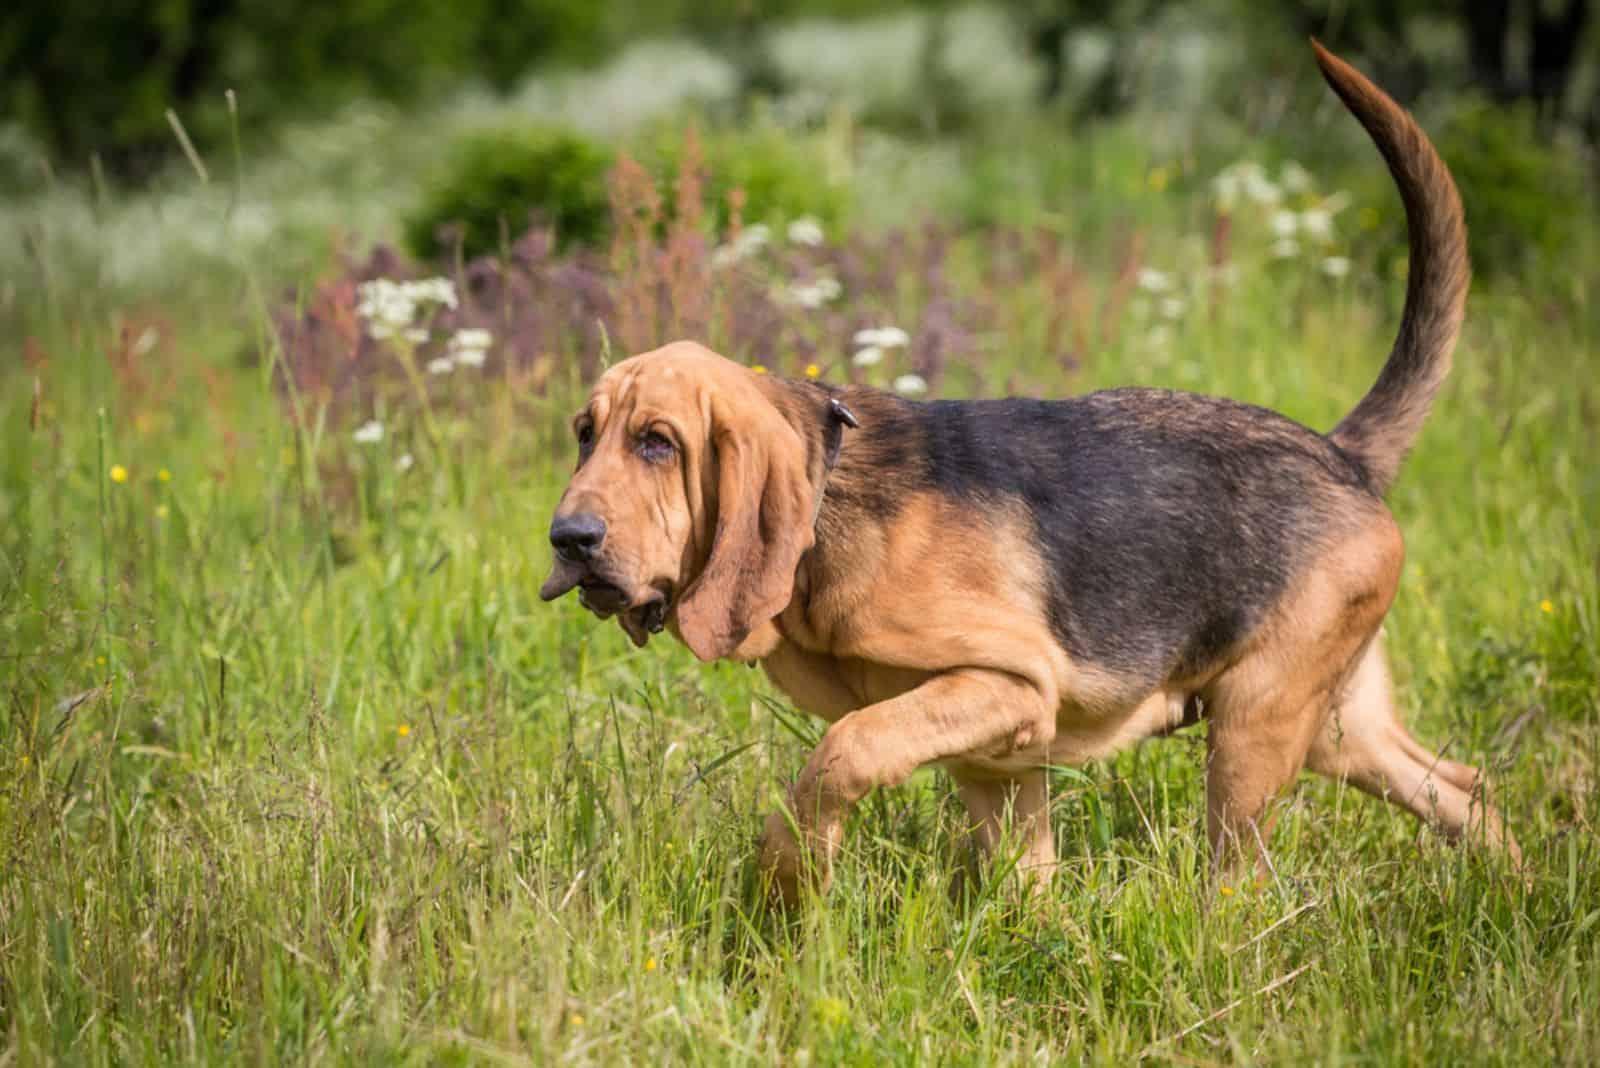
column 693, row 500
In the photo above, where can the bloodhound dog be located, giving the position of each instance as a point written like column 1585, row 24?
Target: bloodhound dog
column 998, row 586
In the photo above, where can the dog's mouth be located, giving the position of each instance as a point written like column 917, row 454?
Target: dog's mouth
column 641, row 613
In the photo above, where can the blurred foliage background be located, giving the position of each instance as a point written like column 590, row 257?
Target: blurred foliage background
column 94, row 79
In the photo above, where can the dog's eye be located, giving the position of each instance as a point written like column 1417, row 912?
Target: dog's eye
column 585, row 437
column 655, row 448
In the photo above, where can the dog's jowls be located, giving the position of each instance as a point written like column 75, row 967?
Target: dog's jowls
column 998, row 586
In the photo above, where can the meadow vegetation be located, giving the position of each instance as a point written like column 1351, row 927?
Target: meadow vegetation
column 295, row 766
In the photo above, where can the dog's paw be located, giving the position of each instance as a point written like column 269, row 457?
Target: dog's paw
column 790, row 864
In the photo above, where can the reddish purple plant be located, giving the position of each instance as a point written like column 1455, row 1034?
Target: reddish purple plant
column 793, row 306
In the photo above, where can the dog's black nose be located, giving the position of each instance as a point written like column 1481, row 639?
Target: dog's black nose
column 576, row 537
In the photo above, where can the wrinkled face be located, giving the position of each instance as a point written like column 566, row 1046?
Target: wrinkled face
column 692, row 503
column 624, row 531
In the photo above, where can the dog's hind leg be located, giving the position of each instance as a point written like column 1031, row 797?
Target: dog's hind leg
column 1267, row 708
column 1255, row 748
column 1364, row 743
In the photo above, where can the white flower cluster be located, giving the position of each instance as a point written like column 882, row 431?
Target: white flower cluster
column 467, row 348
column 1292, row 231
column 814, row 294
column 1248, row 179
column 872, row 343
column 805, row 230
column 749, row 241
column 368, row 433
column 390, row 308
column 1153, row 281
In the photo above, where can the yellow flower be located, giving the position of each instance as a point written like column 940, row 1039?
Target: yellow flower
column 1158, row 179
column 813, row 371
column 402, row 730
column 164, row 475
column 161, row 511
column 759, row 368
column 1546, row 607
column 99, row 661
column 576, row 1019
column 650, row 965
column 119, row 473
column 1226, row 891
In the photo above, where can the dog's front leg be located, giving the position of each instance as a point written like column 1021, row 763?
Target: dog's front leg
column 969, row 711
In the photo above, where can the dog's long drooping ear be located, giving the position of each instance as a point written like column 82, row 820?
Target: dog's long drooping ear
column 764, row 505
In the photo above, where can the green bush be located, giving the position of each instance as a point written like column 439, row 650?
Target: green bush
column 502, row 181
column 783, row 175
column 1519, row 188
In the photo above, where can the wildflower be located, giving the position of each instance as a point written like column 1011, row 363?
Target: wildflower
column 1225, row 891
column 1294, row 178
column 1285, row 223
column 751, row 239
column 119, row 473
column 911, row 384
column 813, row 294
column 441, row 365
column 432, row 291
column 888, row 337
column 1336, row 266
column 805, row 230
column 416, row 335
column 576, row 1019
column 1154, row 281
column 759, row 368
column 164, row 475
column 470, row 347
column 386, row 305
column 1318, row 222
column 162, row 511
column 813, row 371
column 650, row 964
column 405, row 462
column 870, row 356
column 390, row 307
column 368, row 433
column 402, row 730
column 1173, row 307
column 1546, row 607
column 1260, row 190
column 1284, row 248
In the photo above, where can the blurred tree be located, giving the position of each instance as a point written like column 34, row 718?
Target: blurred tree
column 97, row 76
column 1046, row 25
column 1517, row 49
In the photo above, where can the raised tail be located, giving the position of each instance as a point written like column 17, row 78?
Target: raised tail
column 1380, row 429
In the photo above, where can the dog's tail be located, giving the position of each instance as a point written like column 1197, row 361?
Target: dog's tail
column 1380, row 429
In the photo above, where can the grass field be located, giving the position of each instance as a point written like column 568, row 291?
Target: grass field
column 295, row 766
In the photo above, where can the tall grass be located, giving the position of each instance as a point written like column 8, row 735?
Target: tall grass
column 294, row 765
